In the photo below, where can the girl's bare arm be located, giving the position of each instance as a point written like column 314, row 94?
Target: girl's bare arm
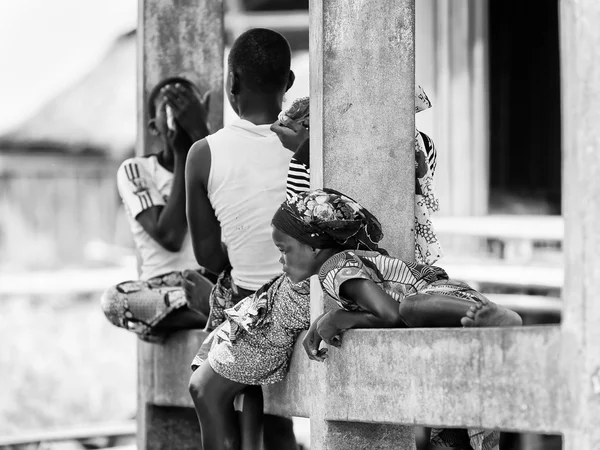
column 380, row 310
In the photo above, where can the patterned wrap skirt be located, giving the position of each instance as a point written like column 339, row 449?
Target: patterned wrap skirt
column 139, row 306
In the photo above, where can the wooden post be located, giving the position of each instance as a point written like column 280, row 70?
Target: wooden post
column 580, row 72
column 175, row 38
column 362, row 143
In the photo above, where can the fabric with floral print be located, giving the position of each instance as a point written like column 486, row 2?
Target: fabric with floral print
column 427, row 246
column 255, row 343
column 325, row 218
column 138, row 306
column 249, row 314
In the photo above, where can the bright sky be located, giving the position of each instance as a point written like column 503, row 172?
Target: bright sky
column 47, row 44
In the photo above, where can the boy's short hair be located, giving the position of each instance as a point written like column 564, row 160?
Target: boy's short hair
column 262, row 57
column 166, row 82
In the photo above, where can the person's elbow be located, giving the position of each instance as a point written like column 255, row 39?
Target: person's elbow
column 172, row 242
column 210, row 256
column 203, row 256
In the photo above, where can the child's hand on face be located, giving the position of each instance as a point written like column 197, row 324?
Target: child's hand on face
column 179, row 140
column 189, row 111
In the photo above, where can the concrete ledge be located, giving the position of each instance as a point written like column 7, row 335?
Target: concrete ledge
column 490, row 378
column 164, row 369
column 292, row 397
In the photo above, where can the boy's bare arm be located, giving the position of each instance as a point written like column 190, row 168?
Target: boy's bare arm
column 167, row 224
column 205, row 229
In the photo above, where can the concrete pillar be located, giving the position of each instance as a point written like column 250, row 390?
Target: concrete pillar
column 175, row 38
column 362, row 131
column 166, row 417
column 179, row 38
column 580, row 71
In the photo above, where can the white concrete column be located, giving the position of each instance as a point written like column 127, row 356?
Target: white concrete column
column 175, row 38
column 179, row 38
column 362, row 144
column 580, row 72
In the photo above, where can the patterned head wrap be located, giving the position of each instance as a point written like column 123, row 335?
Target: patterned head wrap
column 325, row 218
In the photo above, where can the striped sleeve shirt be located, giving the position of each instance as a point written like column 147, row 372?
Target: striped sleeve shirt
column 430, row 152
column 137, row 187
column 298, row 178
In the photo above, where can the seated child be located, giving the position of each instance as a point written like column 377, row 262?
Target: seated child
column 368, row 285
column 322, row 232
column 251, row 348
column 172, row 292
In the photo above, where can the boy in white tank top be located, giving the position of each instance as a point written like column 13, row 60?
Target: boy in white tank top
column 235, row 180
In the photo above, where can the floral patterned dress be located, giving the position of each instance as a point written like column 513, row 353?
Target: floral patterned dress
column 255, row 342
column 427, row 246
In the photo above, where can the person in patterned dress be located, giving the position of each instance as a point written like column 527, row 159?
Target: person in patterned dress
column 293, row 134
column 252, row 347
column 325, row 232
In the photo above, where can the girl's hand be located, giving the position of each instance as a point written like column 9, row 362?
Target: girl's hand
column 312, row 341
column 329, row 330
column 291, row 136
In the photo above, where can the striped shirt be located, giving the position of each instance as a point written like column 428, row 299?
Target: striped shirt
column 298, row 178
column 430, row 151
column 396, row 277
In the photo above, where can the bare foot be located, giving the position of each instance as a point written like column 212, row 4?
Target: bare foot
column 488, row 314
column 197, row 290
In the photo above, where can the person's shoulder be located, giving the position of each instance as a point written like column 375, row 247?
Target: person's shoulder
column 199, row 152
column 222, row 132
column 198, row 161
column 343, row 259
column 130, row 166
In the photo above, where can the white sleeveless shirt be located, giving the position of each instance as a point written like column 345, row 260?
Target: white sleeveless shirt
column 246, row 185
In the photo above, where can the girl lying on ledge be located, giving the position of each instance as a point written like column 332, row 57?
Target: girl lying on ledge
column 321, row 232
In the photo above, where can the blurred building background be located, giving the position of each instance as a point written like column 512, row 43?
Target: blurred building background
column 493, row 74
column 493, row 77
